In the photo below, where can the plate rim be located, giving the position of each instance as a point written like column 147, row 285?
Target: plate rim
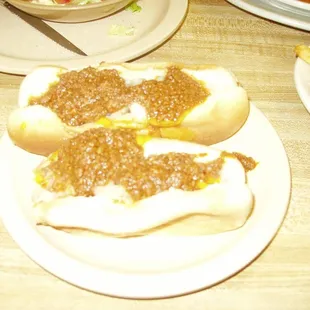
column 299, row 63
column 170, row 24
column 297, row 4
column 250, row 6
column 195, row 280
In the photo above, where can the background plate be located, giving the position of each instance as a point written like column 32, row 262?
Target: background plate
column 24, row 48
column 264, row 8
column 302, row 81
column 153, row 267
column 297, row 4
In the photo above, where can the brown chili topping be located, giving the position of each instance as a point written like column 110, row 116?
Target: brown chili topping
column 99, row 156
column 248, row 163
column 84, row 96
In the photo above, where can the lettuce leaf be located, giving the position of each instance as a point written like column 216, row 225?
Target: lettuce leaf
column 133, row 7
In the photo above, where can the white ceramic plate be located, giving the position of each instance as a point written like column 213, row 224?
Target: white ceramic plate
column 302, row 81
column 297, row 4
column 24, row 48
column 153, row 267
column 274, row 10
column 297, row 7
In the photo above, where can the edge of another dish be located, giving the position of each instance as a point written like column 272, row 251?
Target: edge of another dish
column 168, row 26
column 302, row 81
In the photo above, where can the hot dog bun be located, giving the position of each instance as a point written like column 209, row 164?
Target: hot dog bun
column 222, row 206
column 39, row 130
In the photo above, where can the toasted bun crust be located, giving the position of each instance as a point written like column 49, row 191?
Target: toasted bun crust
column 221, row 120
column 221, row 116
column 217, row 208
column 38, row 130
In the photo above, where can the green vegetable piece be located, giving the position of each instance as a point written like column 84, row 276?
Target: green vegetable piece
column 134, row 7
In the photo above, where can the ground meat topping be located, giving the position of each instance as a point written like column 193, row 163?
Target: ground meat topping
column 81, row 97
column 169, row 99
column 248, row 163
column 85, row 96
column 99, row 156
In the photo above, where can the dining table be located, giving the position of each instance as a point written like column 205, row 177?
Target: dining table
column 261, row 54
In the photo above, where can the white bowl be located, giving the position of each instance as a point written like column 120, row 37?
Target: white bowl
column 70, row 13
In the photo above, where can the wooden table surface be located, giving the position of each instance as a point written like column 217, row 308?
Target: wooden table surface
column 261, row 55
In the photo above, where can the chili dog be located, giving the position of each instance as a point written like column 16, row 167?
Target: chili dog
column 203, row 104
column 117, row 182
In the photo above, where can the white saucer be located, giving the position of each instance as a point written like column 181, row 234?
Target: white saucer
column 24, row 48
column 153, row 267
